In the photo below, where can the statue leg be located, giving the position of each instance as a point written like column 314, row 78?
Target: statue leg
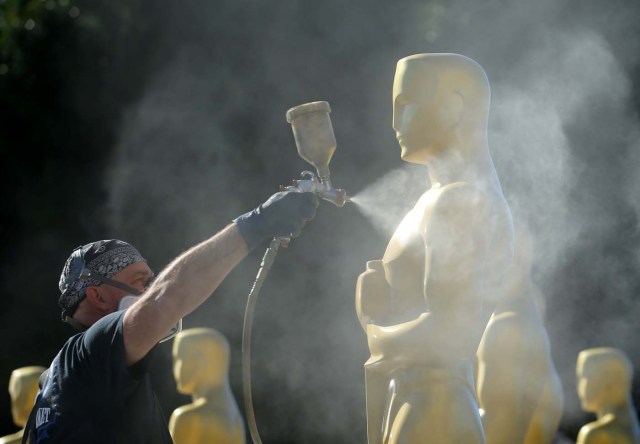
column 439, row 415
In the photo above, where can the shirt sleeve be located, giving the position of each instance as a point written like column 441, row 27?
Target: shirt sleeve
column 102, row 354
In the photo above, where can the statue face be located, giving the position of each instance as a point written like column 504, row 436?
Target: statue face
column 183, row 370
column 421, row 112
column 199, row 362
column 590, row 390
column 22, row 397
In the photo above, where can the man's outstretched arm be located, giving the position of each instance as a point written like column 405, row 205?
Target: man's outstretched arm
column 191, row 278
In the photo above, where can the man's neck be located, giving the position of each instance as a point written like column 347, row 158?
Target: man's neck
column 87, row 315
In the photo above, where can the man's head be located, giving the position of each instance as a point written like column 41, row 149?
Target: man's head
column 97, row 276
column 23, row 387
column 604, row 378
column 436, row 98
column 200, row 360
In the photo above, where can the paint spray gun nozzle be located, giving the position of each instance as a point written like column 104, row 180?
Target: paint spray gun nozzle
column 316, row 144
column 323, row 189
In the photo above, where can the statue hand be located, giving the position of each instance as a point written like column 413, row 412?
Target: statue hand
column 372, row 293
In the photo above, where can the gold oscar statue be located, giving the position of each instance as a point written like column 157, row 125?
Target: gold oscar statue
column 519, row 389
column 201, row 369
column 425, row 305
column 604, row 385
column 23, row 388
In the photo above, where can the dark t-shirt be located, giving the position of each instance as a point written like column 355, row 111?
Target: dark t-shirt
column 90, row 396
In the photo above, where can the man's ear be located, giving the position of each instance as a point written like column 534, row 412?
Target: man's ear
column 94, row 296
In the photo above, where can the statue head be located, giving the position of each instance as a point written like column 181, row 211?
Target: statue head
column 438, row 100
column 200, row 360
column 23, row 388
column 604, row 378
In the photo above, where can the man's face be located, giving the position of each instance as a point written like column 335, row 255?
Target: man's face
column 136, row 275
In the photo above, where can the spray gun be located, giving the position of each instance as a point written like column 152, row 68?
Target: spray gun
column 316, row 144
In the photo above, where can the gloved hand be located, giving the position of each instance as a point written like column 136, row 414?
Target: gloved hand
column 283, row 214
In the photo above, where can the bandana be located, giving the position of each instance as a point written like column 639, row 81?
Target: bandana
column 105, row 258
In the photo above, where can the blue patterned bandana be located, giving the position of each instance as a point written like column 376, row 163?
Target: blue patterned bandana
column 105, row 258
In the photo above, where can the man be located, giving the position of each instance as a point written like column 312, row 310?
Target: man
column 97, row 389
column 424, row 306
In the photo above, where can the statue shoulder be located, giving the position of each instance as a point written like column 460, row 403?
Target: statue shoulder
column 505, row 323
column 464, row 208
column 196, row 423
column 468, row 199
column 503, row 334
column 597, row 432
column 15, row 438
column 183, row 416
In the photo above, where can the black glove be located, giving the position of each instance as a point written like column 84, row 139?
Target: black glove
column 283, row 214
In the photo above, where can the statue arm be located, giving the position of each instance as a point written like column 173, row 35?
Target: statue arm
column 373, row 306
column 593, row 435
column 184, row 427
column 501, row 383
column 372, row 294
column 456, row 251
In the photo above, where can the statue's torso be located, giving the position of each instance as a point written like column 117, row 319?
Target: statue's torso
column 419, row 375
column 406, row 338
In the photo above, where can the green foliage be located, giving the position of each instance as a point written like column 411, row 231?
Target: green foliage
column 22, row 24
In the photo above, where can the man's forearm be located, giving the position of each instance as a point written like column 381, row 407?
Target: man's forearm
column 190, row 278
column 181, row 287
